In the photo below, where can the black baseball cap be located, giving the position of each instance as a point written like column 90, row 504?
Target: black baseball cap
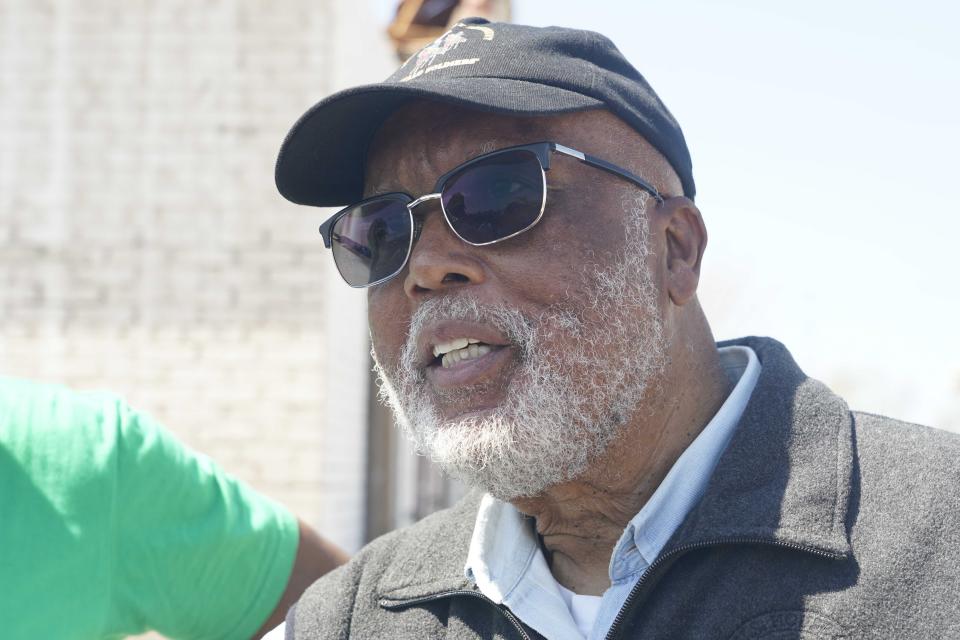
column 499, row 68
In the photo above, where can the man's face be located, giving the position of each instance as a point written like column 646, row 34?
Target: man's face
column 563, row 321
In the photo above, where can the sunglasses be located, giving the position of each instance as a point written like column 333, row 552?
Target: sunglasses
column 488, row 199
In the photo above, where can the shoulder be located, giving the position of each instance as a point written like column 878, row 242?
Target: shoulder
column 905, row 515
column 74, row 429
column 83, row 419
column 49, row 406
column 433, row 548
column 907, row 472
column 426, row 557
column 913, row 447
column 57, row 427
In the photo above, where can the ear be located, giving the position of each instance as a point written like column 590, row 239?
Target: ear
column 686, row 240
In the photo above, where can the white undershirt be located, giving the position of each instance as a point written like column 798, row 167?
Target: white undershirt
column 278, row 633
column 584, row 609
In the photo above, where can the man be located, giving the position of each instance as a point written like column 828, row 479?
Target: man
column 536, row 329
column 110, row 527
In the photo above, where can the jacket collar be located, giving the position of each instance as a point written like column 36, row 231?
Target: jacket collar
column 784, row 478
column 429, row 559
column 786, row 474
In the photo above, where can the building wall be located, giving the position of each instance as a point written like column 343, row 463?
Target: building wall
column 143, row 246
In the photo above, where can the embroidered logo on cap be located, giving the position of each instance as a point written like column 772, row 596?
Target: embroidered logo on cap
column 423, row 61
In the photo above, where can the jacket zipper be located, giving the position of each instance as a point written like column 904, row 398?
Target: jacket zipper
column 462, row 592
column 634, row 595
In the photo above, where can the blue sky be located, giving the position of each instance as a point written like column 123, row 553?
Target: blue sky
column 824, row 137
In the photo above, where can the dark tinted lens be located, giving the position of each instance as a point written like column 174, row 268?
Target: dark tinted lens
column 495, row 197
column 371, row 241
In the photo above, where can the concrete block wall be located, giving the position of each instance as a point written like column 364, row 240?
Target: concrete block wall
column 144, row 249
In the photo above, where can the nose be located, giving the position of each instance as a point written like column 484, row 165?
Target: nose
column 440, row 260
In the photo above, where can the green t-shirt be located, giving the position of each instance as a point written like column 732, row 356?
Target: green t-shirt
column 110, row 527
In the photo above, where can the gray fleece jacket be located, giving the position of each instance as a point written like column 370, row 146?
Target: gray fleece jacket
column 818, row 523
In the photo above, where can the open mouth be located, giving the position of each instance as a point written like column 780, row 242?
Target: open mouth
column 460, row 355
column 448, row 354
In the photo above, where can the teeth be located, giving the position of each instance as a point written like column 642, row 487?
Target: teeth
column 473, row 350
column 460, row 349
column 453, row 345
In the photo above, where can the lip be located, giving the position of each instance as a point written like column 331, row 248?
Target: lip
column 465, row 372
column 447, row 330
column 472, row 371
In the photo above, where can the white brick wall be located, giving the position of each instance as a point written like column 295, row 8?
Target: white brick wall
column 143, row 247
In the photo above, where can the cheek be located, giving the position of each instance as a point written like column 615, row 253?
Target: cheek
column 389, row 319
column 535, row 273
column 554, row 261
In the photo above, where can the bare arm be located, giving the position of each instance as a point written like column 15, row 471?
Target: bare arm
column 315, row 557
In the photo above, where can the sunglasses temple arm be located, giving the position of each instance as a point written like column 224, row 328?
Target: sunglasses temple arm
column 593, row 161
column 325, row 229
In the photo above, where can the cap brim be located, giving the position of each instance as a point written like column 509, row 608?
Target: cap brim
column 321, row 161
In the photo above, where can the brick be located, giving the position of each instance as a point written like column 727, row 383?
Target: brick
column 144, row 247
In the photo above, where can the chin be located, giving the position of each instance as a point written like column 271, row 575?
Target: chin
column 507, row 459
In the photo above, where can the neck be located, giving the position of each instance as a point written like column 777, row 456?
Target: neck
column 580, row 521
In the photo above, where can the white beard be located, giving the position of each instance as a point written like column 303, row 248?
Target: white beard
column 575, row 387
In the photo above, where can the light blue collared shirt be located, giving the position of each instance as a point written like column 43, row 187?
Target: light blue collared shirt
column 508, row 566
